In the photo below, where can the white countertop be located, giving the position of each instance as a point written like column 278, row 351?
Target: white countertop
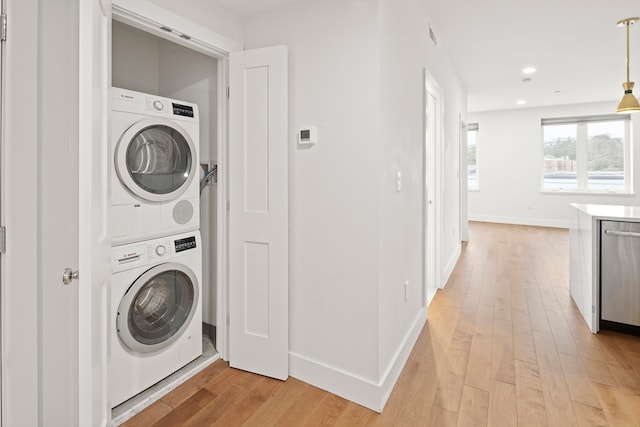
column 613, row 212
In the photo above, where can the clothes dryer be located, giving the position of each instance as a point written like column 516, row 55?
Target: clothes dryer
column 156, row 313
column 154, row 167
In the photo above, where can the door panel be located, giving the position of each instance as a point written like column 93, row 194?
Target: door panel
column 258, row 212
column 59, row 226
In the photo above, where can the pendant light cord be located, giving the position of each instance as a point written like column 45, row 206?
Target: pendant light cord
column 628, row 23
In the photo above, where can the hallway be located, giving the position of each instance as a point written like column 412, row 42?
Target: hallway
column 504, row 345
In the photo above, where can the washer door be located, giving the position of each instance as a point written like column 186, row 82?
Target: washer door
column 157, row 307
column 156, row 159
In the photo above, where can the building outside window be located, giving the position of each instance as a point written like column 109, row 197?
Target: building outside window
column 473, row 181
column 587, row 154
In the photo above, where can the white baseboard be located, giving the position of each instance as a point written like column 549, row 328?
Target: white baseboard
column 536, row 222
column 451, row 264
column 370, row 394
column 391, row 375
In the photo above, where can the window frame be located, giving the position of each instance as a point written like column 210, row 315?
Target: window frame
column 473, row 127
column 582, row 178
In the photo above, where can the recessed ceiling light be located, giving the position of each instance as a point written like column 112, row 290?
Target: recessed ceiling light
column 529, row 70
column 521, row 102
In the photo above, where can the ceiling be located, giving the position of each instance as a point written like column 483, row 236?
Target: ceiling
column 575, row 45
column 244, row 8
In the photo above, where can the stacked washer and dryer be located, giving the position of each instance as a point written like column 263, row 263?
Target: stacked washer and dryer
column 156, row 315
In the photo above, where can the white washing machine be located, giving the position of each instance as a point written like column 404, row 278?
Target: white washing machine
column 156, row 312
column 154, row 169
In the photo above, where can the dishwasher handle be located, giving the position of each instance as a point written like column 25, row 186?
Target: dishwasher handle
column 621, row 233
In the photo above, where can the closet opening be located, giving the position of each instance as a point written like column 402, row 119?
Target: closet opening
column 147, row 64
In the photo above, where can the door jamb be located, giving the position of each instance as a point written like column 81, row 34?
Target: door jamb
column 434, row 87
column 430, row 85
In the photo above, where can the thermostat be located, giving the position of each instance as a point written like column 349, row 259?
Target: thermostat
column 308, row 135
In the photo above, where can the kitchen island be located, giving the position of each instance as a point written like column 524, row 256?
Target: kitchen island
column 584, row 254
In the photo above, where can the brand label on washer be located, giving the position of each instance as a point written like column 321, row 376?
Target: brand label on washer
column 185, row 244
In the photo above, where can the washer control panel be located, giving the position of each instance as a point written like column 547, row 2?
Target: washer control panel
column 160, row 249
column 163, row 249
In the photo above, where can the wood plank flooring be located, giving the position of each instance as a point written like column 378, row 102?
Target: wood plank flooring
column 504, row 345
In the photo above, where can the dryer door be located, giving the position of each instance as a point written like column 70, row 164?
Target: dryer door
column 158, row 307
column 156, row 159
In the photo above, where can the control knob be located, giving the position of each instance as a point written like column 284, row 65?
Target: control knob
column 161, row 250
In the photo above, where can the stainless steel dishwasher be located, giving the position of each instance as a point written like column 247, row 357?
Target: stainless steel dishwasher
column 620, row 276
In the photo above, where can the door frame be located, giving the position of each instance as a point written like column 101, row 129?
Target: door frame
column 2, row 139
column 150, row 18
column 463, row 180
column 434, row 182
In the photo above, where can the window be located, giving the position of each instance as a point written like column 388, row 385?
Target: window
column 587, row 154
column 473, row 183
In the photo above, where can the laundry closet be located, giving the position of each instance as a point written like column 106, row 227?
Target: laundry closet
column 145, row 63
column 168, row 91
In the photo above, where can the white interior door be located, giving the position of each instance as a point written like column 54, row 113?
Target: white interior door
column 58, row 228
column 258, row 212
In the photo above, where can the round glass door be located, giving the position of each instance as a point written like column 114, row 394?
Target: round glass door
column 158, row 307
column 156, row 159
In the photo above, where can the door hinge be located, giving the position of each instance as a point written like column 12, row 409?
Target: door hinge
column 228, row 206
column 228, row 92
column 3, row 27
column 3, row 240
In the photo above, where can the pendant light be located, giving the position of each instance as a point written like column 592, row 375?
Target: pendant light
column 629, row 102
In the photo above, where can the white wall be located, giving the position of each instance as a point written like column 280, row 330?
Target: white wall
column 333, row 197
column 405, row 51
column 135, row 59
column 510, row 145
column 356, row 71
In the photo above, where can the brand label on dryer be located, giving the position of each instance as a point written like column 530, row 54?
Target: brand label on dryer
column 182, row 110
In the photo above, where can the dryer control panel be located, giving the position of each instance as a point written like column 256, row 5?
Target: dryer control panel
column 130, row 101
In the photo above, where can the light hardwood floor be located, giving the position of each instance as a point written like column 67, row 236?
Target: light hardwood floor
column 504, row 345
